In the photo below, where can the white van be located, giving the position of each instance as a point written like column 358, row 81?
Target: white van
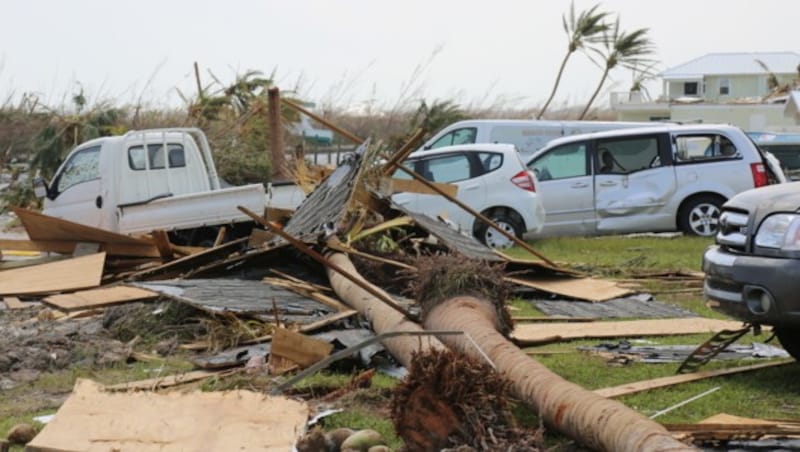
column 527, row 135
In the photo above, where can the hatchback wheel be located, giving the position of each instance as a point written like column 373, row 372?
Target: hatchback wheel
column 700, row 216
column 507, row 221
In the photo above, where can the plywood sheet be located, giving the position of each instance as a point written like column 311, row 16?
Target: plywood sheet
column 551, row 332
column 298, row 348
column 96, row 298
column 44, row 227
column 94, row 420
column 69, row 274
column 589, row 289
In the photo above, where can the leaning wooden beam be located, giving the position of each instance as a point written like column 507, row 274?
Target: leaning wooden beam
column 324, row 121
column 68, row 247
column 478, row 215
column 646, row 385
column 400, row 155
column 385, row 298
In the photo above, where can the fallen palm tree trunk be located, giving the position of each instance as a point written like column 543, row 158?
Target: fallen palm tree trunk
column 382, row 317
column 595, row 421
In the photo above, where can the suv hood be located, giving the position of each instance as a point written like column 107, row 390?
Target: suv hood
column 769, row 199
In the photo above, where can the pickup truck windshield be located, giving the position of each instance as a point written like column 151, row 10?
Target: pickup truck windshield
column 83, row 166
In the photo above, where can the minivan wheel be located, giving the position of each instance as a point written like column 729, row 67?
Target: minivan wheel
column 790, row 339
column 700, row 216
column 508, row 221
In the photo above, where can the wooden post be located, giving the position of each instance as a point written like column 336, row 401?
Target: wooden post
column 280, row 172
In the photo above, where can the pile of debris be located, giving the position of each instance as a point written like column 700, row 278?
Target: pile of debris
column 288, row 299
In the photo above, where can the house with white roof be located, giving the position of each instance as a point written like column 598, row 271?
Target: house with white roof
column 744, row 89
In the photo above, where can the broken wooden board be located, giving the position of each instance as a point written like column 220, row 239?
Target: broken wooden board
column 646, row 385
column 725, row 427
column 45, row 228
column 95, row 420
column 590, row 289
column 553, row 332
column 70, row 247
column 168, row 381
column 15, row 303
column 65, row 275
column 96, row 298
column 180, row 266
column 390, row 186
column 298, row 348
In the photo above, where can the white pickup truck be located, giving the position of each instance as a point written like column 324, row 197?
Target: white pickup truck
column 156, row 179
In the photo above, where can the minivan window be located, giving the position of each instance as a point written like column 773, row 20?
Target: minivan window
column 83, row 166
column 446, row 169
column 465, row 135
column 697, row 148
column 627, row 155
column 568, row 160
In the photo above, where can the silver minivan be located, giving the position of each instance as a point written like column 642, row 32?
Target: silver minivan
column 662, row 178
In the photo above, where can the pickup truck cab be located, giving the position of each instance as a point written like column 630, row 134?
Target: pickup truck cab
column 647, row 179
column 753, row 269
column 146, row 180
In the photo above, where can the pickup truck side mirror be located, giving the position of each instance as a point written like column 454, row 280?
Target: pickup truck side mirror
column 40, row 188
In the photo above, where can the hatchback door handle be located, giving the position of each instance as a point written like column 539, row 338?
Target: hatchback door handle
column 472, row 187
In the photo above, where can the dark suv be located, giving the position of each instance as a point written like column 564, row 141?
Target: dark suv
column 753, row 271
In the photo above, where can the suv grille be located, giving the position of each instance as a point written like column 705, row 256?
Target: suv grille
column 733, row 230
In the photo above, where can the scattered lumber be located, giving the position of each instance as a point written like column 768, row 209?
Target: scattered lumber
column 553, row 332
column 168, row 381
column 298, row 348
column 69, row 274
column 96, row 298
column 591, row 289
column 90, row 420
column 646, row 385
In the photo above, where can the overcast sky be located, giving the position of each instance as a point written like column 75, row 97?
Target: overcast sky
column 347, row 52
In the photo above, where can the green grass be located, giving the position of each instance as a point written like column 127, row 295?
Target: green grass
column 766, row 393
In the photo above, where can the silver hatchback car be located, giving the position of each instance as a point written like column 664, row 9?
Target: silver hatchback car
column 661, row 178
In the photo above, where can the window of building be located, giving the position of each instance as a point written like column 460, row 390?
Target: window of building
column 690, row 88
column 724, row 86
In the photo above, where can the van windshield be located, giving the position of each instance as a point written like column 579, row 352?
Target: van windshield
column 465, row 135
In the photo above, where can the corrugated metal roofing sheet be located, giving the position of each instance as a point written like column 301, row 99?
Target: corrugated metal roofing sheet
column 734, row 64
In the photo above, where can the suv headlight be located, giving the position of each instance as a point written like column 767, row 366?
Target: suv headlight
column 780, row 231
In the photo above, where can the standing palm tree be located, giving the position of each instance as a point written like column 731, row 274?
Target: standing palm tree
column 628, row 50
column 588, row 26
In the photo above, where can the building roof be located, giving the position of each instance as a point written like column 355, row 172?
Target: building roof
column 734, row 64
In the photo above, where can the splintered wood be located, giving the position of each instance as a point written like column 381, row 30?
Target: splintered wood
column 590, row 289
column 553, row 332
column 96, row 298
column 70, row 274
column 95, row 420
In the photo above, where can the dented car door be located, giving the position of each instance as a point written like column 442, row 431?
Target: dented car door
column 633, row 183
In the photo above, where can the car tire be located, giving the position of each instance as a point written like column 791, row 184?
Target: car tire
column 790, row 340
column 700, row 216
column 507, row 219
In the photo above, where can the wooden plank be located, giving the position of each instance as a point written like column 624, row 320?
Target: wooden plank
column 552, row 332
column 298, row 348
column 44, row 227
column 259, row 237
column 176, row 267
column 96, row 298
column 161, row 240
column 646, row 385
column 390, row 186
column 94, row 420
column 15, row 303
column 69, row 274
column 589, row 289
column 168, row 381
column 68, row 247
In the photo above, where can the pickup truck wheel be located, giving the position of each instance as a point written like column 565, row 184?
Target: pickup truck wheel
column 700, row 216
column 790, row 339
column 508, row 220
